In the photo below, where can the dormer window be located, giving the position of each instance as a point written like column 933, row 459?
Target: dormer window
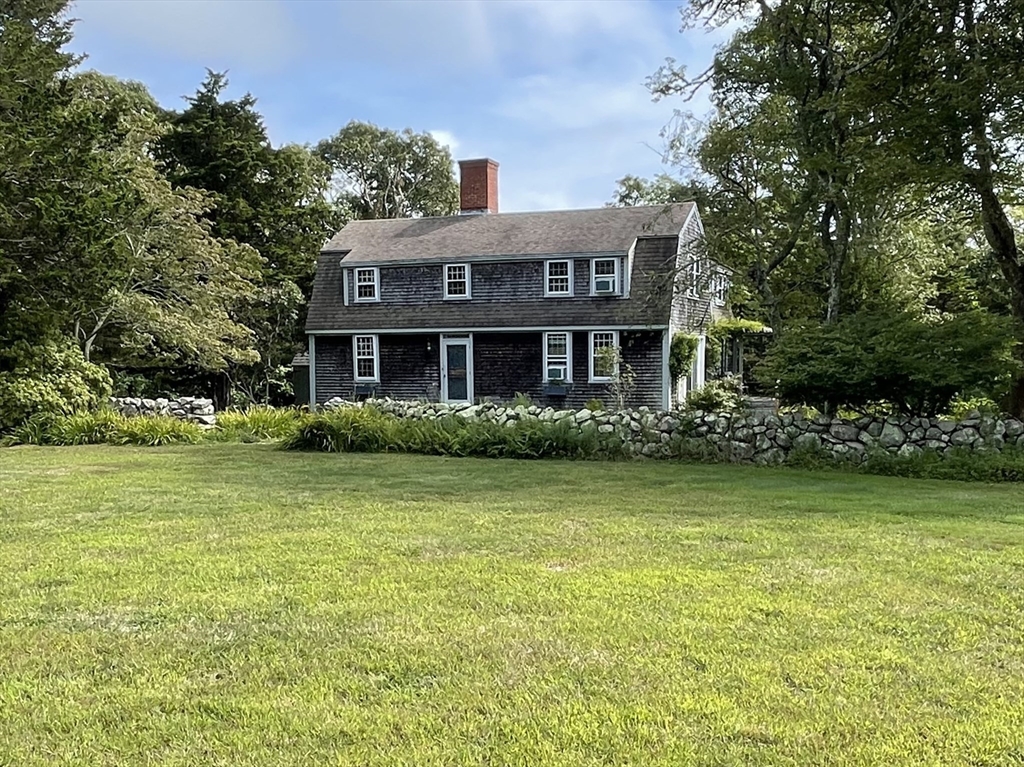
column 604, row 276
column 368, row 284
column 558, row 278
column 456, row 281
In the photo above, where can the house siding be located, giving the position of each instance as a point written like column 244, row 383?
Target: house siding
column 408, row 369
column 505, row 364
column 333, row 364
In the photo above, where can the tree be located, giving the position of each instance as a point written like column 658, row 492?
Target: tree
column 791, row 140
column 955, row 110
column 661, row 190
column 381, row 173
column 59, row 185
column 170, row 284
column 270, row 198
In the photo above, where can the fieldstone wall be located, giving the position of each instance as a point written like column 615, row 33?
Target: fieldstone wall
column 758, row 438
column 195, row 409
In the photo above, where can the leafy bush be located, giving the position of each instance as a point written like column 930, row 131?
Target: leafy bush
column 961, row 408
column 50, row 378
column 719, row 396
column 366, row 430
column 594, row 405
column 681, row 354
column 913, row 365
column 256, row 424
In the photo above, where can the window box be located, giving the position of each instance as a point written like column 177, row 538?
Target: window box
column 366, row 389
column 556, row 388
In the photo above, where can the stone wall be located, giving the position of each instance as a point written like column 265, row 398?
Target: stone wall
column 759, row 438
column 194, row 409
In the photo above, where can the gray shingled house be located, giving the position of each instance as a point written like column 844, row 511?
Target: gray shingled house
column 487, row 305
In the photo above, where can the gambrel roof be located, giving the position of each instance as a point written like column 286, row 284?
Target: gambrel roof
column 505, row 235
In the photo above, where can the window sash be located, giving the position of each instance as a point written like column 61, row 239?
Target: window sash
column 604, row 267
column 366, row 359
column 366, row 284
column 601, row 339
column 558, row 353
column 456, row 281
column 558, row 278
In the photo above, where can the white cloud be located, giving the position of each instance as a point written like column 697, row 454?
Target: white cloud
column 446, row 138
column 259, row 35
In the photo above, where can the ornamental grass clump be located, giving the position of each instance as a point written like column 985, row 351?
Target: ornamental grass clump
column 258, row 423
column 103, row 427
column 366, row 430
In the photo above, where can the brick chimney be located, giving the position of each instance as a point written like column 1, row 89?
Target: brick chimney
column 478, row 186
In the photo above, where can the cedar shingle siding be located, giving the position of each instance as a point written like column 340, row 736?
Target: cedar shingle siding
column 508, row 310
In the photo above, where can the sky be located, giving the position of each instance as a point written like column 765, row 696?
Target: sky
column 551, row 89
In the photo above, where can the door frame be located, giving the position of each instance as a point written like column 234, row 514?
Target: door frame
column 454, row 340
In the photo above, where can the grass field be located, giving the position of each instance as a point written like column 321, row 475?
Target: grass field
column 237, row 605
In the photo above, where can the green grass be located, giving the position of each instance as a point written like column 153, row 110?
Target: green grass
column 229, row 604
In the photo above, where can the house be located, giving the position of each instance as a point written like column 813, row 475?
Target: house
column 487, row 305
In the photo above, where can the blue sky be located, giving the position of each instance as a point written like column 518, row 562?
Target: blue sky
column 551, row 90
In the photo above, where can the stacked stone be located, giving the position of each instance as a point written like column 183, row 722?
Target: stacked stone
column 195, row 409
column 757, row 438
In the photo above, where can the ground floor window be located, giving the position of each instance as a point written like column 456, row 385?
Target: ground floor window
column 557, row 357
column 602, row 361
column 367, row 358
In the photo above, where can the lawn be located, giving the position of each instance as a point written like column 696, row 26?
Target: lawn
column 237, row 605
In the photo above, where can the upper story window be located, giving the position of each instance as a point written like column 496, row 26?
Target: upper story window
column 694, row 277
column 368, row 284
column 720, row 288
column 366, row 358
column 604, row 276
column 604, row 345
column 456, row 281
column 557, row 357
column 558, row 278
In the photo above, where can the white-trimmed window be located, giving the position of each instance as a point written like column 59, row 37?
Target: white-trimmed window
column 602, row 368
column 694, row 276
column 368, row 284
column 456, row 281
column 558, row 278
column 366, row 358
column 557, row 357
column 604, row 276
column 720, row 288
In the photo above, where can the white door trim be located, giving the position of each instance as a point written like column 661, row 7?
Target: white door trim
column 466, row 341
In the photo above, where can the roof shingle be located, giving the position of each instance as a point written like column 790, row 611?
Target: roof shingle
column 498, row 235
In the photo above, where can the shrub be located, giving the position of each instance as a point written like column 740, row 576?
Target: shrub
column 682, row 352
column 594, row 405
column 51, row 377
column 365, row 430
column 256, row 424
column 722, row 395
column 898, row 360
